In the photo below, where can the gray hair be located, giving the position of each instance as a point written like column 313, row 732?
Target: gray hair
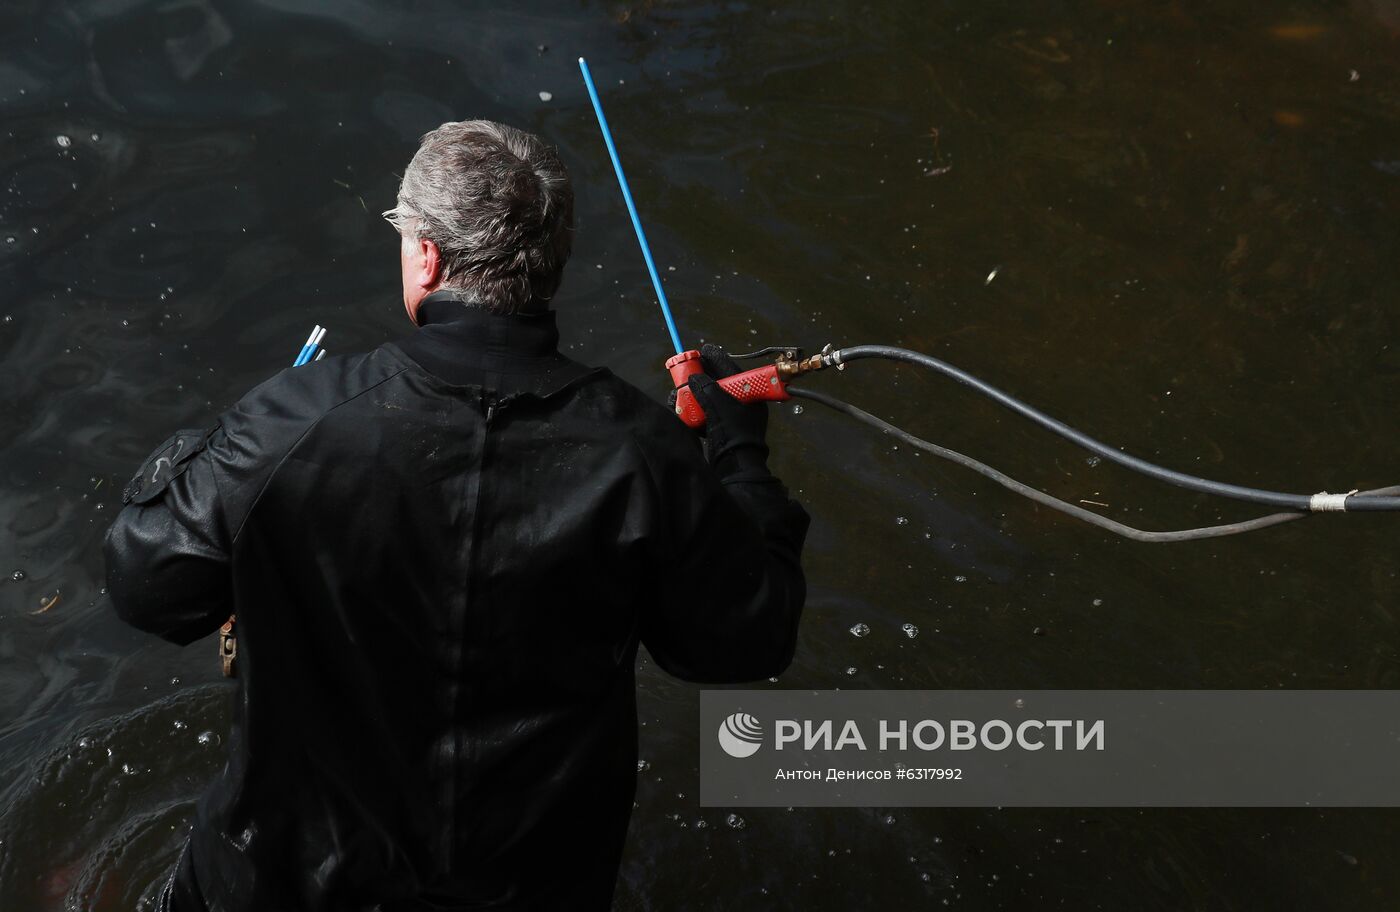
column 498, row 203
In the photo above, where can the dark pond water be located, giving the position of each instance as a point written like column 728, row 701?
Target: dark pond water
column 1192, row 212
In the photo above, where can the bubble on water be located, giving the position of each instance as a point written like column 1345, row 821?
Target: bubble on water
column 643, row 765
column 175, row 681
column 1092, row 461
column 889, row 820
column 63, row 141
column 546, row 96
column 910, row 631
column 208, row 738
column 901, row 521
column 860, row 630
column 924, row 877
column 96, row 137
column 850, row 670
column 10, row 239
column 128, row 769
column 1098, row 603
column 1019, row 703
column 17, row 575
column 179, row 725
column 736, row 822
column 797, row 409
column 959, row 579
column 9, row 318
column 85, row 742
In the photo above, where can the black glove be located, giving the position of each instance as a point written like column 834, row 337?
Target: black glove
column 734, row 431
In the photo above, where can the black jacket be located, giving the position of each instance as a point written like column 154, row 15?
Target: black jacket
column 443, row 555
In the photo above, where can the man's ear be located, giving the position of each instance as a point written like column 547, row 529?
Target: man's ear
column 429, row 271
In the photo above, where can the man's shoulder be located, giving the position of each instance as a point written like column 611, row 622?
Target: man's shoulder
column 632, row 414
column 610, row 395
column 276, row 413
column 313, row 389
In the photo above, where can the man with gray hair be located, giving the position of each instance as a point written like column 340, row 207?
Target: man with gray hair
column 487, row 211
column 443, row 556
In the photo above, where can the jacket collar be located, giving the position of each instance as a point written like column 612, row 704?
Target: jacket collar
column 475, row 330
column 466, row 345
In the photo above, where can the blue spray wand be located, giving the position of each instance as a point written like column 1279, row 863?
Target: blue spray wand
column 764, row 383
column 631, row 206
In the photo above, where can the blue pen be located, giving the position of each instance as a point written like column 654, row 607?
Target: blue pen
column 313, row 341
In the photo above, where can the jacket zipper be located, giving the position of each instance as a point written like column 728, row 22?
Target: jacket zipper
column 491, row 407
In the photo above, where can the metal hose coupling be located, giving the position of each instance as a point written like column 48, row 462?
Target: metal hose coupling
column 791, row 364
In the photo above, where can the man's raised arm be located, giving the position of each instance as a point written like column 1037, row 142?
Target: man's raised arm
column 732, row 586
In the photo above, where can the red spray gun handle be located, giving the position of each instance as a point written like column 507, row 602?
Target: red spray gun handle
column 758, row 385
